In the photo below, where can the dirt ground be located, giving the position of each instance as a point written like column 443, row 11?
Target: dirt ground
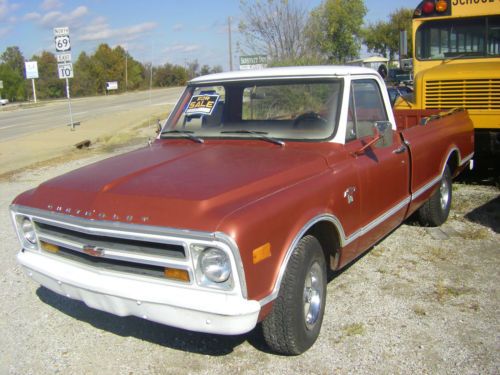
column 423, row 301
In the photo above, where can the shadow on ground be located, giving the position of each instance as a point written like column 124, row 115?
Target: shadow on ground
column 174, row 338
column 487, row 215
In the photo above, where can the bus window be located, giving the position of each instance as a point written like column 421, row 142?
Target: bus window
column 472, row 37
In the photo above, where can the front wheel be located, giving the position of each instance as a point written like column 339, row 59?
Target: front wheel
column 435, row 211
column 294, row 323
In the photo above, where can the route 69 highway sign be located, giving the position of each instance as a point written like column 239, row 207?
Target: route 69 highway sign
column 62, row 43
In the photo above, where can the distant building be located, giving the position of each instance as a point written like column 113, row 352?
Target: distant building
column 378, row 63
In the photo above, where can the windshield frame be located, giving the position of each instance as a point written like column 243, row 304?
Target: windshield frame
column 172, row 121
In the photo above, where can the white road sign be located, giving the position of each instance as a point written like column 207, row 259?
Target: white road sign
column 62, row 43
column 1, row 84
column 61, row 31
column 64, row 58
column 65, row 70
column 113, row 85
column 31, row 69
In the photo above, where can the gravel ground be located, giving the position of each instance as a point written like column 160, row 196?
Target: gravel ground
column 422, row 301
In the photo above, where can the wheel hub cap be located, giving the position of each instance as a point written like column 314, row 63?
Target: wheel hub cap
column 444, row 192
column 313, row 289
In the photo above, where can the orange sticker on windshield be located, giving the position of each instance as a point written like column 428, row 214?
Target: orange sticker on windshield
column 202, row 104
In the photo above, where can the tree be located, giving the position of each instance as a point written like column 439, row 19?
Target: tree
column 383, row 37
column 275, row 28
column 335, row 27
column 193, row 68
column 13, row 87
column 13, row 57
column 48, row 84
column 14, row 75
column 83, row 83
column 170, row 75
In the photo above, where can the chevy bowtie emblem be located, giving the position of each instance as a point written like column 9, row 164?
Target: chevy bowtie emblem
column 93, row 251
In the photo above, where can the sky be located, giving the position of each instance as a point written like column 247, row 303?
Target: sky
column 168, row 31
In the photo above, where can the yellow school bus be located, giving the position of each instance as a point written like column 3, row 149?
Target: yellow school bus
column 456, row 64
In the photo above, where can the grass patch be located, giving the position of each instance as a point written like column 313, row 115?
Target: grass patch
column 419, row 310
column 378, row 251
column 444, row 292
column 354, row 329
column 437, row 253
column 471, row 233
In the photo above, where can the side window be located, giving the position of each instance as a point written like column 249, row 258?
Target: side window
column 365, row 107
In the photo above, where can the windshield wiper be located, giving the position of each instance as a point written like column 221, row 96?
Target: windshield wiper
column 260, row 135
column 186, row 133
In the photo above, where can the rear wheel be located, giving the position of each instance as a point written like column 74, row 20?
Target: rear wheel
column 294, row 323
column 435, row 211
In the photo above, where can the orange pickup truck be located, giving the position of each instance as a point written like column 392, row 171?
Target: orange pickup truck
column 258, row 184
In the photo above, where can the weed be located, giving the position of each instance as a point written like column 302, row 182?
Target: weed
column 354, row 329
column 437, row 253
column 471, row 233
column 378, row 251
column 418, row 310
column 444, row 292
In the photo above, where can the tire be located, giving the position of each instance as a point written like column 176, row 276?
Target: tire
column 294, row 322
column 435, row 211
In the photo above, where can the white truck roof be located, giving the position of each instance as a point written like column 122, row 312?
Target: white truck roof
column 285, row 72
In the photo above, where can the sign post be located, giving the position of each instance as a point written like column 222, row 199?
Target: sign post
column 64, row 65
column 32, row 73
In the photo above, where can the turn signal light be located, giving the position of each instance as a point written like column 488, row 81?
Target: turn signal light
column 428, row 7
column 49, row 247
column 441, row 6
column 176, row 274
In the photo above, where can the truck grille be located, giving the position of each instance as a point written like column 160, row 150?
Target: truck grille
column 467, row 93
column 122, row 254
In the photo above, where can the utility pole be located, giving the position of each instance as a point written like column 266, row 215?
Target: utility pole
column 126, row 71
column 230, row 44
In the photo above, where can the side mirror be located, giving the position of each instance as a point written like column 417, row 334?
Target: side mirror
column 382, row 137
column 158, row 126
column 384, row 130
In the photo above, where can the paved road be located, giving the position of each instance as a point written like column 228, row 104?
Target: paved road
column 16, row 123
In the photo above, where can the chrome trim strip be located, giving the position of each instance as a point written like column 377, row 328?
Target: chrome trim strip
column 426, row 187
column 367, row 228
column 324, row 217
column 117, row 254
column 435, row 180
column 343, row 240
column 466, row 159
column 182, row 237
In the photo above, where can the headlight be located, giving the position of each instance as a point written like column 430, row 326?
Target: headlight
column 28, row 230
column 215, row 265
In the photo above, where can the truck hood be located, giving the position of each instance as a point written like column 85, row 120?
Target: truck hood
column 176, row 183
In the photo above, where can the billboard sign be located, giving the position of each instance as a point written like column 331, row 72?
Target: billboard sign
column 31, row 69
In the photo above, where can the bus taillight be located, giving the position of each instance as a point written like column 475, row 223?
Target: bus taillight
column 428, row 7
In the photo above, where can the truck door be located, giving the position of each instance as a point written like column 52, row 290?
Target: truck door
column 383, row 170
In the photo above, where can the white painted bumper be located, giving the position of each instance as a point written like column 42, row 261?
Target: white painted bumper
column 123, row 295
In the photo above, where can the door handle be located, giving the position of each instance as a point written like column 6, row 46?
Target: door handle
column 399, row 150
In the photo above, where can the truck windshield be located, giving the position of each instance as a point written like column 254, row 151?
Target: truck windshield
column 291, row 110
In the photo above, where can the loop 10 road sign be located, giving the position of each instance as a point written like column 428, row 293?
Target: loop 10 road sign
column 65, row 70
